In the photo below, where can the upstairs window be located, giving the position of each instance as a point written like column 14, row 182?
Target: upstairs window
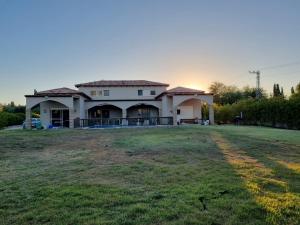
column 178, row 111
column 93, row 93
column 152, row 92
column 140, row 92
column 100, row 93
column 106, row 92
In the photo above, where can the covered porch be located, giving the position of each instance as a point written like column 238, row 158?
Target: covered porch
column 187, row 105
column 58, row 107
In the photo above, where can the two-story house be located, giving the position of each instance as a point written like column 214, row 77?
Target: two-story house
column 118, row 102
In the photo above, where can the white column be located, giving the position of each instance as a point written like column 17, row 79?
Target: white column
column 124, row 116
column 211, row 114
column 174, row 115
column 71, row 117
column 28, row 119
column 82, row 108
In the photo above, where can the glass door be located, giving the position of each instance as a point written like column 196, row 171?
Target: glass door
column 60, row 117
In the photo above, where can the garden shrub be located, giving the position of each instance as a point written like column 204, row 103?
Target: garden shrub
column 9, row 119
column 275, row 112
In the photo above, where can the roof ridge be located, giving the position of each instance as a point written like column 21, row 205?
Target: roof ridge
column 103, row 83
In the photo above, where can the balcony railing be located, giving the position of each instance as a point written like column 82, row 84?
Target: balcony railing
column 118, row 122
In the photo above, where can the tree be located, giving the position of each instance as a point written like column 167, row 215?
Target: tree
column 229, row 94
column 281, row 92
column 249, row 92
column 292, row 91
column 298, row 88
column 277, row 91
column 217, row 88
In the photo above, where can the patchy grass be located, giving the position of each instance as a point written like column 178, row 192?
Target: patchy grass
column 184, row 175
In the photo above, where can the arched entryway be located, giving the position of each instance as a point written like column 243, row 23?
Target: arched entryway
column 52, row 114
column 189, row 111
column 193, row 110
column 104, row 112
column 142, row 111
column 104, row 115
column 142, row 114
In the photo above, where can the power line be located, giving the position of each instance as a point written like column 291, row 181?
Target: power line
column 281, row 66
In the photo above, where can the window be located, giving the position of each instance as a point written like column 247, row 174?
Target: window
column 178, row 111
column 152, row 92
column 93, row 93
column 140, row 92
column 100, row 93
column 106, row 92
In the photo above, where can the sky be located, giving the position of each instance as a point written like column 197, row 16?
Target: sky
column 47, row 44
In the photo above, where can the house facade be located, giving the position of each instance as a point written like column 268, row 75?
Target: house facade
column 118, row 102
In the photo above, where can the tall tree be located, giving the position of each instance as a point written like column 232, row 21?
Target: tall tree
column 292, row 91
column 276, row 91
column 281, row 92
column 298, row 88
column 217, row 88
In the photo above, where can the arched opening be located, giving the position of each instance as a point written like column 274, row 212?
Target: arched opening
column 194, row 110
column 103, row 116
column 189, row 111
column 143, row 115
column 104, row 112
column 142, row 111
column 51, row 113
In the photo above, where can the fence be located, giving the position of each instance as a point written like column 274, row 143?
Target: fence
column 118, row 122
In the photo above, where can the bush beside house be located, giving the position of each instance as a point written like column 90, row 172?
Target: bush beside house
column 9, row 119
column 11, row 114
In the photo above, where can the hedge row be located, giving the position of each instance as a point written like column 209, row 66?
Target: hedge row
column 275, row 112
column 9, row 119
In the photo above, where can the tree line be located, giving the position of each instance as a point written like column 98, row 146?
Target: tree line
column 233, row 104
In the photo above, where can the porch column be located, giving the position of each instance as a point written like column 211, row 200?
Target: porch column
column 28, row 119
column 175, row 115
column 71, row 117
column 124, row 116
column 211, row 114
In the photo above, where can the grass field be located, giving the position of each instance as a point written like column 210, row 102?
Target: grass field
column 184, row 175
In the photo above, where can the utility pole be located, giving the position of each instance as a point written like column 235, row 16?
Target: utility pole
column 257, row 83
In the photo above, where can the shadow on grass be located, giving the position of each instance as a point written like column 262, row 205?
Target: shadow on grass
column 270, row 183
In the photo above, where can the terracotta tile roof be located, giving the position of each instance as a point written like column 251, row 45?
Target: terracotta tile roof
column 62, row 90
column 120, row 83
column 183, row 90
column 58, row 92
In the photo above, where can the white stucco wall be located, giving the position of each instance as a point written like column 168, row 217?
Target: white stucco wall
column 186, row 112
column 123, row 92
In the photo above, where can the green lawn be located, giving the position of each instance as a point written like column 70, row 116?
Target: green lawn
column 183, row 175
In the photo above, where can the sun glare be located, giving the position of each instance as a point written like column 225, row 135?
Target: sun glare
column 194, row 86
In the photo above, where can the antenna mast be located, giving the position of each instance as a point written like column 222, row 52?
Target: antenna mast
column 257, row 83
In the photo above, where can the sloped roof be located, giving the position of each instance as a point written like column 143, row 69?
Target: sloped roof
column 62, row 90
column 58, row 92
column 120, row 83
column 184, row 90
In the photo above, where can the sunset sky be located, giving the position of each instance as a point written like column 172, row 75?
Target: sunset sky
column 55, row 43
